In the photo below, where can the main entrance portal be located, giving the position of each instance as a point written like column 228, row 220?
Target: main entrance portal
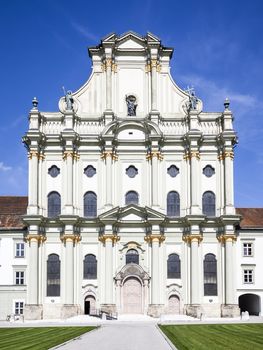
column 132, row 296
column 89, row 305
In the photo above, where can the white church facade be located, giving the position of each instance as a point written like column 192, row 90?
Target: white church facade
column 131, row 205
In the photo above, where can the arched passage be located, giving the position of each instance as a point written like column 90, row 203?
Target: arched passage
column 89, row 305
column 249, row 302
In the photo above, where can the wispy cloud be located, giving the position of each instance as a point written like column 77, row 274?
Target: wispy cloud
column 14, row 123
column 4, row 167
column 84, row 31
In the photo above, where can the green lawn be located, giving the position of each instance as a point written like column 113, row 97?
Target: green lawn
column 216, row 337
column 38, row 338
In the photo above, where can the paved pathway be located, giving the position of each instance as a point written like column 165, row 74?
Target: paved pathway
column 128, row 336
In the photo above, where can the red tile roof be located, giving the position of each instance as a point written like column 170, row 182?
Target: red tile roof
column 11, row 210
column 252, row 217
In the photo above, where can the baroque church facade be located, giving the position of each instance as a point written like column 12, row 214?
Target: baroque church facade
column 130, row 205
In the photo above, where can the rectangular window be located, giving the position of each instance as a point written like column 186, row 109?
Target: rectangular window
column 19, row 308
column 20, row 250
column 247, row 249
column 20, row 277
column 248, row 276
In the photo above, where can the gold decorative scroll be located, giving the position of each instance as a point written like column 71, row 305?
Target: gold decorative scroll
column 153, row 154
column 152, row 237
column 224, row 237
column 111, row 154
column 193, row 154
column 113, row 237
column 73, row 238
column 38, row 238
column 189, row 238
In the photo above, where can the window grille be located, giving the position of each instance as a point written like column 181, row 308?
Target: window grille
column 90, row 267
column 54, row 204
column 53, row 276
column 173, row 266
column 90, row 205
column 210, row 275
column 173, row 204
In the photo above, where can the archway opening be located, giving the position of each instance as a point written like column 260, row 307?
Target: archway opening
column 174, row 305
column 249, row 302
column 90, row 305
column 132, row 296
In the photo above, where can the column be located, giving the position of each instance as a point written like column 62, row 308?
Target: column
column 69, row 274
column 33, row 181
column 108, row 271
column 155, row 199
column 108, row 160
column 32, row 290
column 108, row 65
column 68, row 156
column 229, row 276
column 194, row 270
column 155, row 295
column 154, row 84
column 194, row 174
column 229, row 193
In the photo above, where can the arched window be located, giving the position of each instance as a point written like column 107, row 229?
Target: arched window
column 131, row 197
column 132, row 256
column 173, row 204
column 53, row 204
column 90, row 267
column 210, row 275
column 173, row 266
column 90, row 204
column 209, row 203
column 53, row 276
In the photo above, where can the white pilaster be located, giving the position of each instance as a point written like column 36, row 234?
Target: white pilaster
column 195, row 299
column 108, row 271
column 229, row 272
column 32, row 290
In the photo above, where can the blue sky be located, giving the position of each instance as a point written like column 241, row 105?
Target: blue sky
column 218, row 49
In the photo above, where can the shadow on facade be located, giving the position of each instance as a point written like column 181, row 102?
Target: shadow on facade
column 249, row 302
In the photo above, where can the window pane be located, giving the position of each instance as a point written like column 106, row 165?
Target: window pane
column 131, row 197
column 53, row 275
column 173, row 204
column 173, row 266
column 132, row 256
column 210, row 275
column 90, row 267
column 208, row 203
column 90, row 204
column 54, row 204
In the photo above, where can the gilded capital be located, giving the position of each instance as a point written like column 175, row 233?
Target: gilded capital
column 38, row 238
column 153, row 154
column 192, row 154
column 154, row 238
column 224, row 238
column 107, row 154
column 112, row 237
column 192, row 238
column 73, row 238
column 36, row 154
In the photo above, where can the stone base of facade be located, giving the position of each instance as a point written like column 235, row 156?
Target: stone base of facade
column 108, row 308
column 194, row 310
column 60, row 311
column 33, row 312
column 155, row 310
column 230, row 310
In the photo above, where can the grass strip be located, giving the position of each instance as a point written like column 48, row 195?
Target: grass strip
column 215, row 336
column 40, row 338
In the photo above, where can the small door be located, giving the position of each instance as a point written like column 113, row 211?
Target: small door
column 174, row 305
column 132, row 296
column 89, row 305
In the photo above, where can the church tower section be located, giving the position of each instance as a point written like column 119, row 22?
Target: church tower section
column 131, row 205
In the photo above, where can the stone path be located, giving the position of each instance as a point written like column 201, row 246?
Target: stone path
column 130, row 336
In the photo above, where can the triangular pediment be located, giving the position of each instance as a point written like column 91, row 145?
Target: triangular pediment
column 131, row 213
column 131, row 41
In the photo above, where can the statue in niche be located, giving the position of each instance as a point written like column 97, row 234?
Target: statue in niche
column 131, row 105
column 68, row 99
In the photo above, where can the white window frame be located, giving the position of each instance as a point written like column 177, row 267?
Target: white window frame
column 248, row 271
column 19, row 271
column 247, row 248
column 19, row 305
column 19, row 250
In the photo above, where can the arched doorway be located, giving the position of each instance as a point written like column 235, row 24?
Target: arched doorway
column 249, row 302
column 89, row 305
column 132, row 296
column 174, row 305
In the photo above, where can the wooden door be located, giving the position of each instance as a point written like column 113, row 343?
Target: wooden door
column 174, row 305
column 132, row 296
